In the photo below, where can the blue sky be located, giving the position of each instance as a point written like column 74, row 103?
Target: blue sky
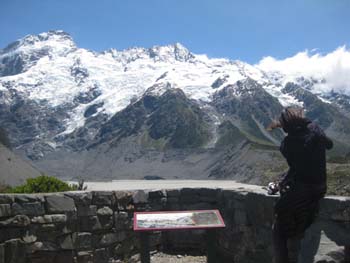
column 238, row 29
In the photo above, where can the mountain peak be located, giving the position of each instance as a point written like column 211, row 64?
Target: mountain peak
column 166, row 53
column 175, row 51
column 20, row 55
column 55, row 39
column 55, row 35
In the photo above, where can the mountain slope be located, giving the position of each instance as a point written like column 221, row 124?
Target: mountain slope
column 151, row 111
column 13, row 170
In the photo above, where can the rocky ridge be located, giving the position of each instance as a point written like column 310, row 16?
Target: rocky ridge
column 148, row 111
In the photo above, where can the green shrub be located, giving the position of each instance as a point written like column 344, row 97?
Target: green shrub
column 43, row 184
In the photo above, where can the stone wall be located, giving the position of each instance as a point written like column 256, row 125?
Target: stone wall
column 97, row 226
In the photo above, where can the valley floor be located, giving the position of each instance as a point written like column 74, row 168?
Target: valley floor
column 167, row 184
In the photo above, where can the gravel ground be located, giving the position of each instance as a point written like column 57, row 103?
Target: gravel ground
column 165, row 258
column 159, row 257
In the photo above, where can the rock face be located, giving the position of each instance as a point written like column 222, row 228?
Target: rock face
column 97, row 226
column 149, row 110
column 13, row 169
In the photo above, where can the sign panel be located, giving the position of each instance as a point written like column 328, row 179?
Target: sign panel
column 171, row 220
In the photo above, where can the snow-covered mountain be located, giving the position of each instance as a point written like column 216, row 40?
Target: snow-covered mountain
column 56, row 98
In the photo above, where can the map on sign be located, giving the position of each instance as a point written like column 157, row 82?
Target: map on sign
column 202, row 219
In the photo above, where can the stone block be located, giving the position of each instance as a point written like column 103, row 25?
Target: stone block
column 57, row 204
column 82, row 240
column 64, row 257
column 7, row 233
column 108, row 239
column 81, row 198
column 58, row 218
column 208, row 195
column 2, row 253
column 140, row 197
column 233, row 195
column 5, row 210
column 85, row 257
column 122, row 221
column 49, row 232
column 124, row 200
column 106, row 222
column 101, row 255
column 105, row 211
column 66, row 242
column 197, row 206
column 89, row 223
column 173, row 200
column 16, row 221
column 28, row 198
column 28, row 238
column 259, row 209
column 50, row 219
column 118, row 250
column 189, row 191
column 35, row 247
column 6, row 199
column 38, row 220
column 103, row 199
column 156, row 194
column 15, row 251
column 187, row 199
column 44, row 257
column 173, row 203
column 158, row 204
column 48, row 246
column 83, row 210
column 105, row 216
column 335, row 208
column 29, row 209
column 240, row 217
column 173, row 206
column 173, row 193
column 128, row 246
column 142, row 207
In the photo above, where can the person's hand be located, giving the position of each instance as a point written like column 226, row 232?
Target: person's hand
column 272, row 188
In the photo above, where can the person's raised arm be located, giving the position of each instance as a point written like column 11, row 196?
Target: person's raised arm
column 326, row 141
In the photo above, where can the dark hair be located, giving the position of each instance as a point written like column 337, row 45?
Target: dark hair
column 292, row 119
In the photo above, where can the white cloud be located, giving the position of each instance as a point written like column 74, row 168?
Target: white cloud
column 333, row 67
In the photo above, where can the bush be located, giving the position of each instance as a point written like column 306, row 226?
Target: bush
column 43, row 184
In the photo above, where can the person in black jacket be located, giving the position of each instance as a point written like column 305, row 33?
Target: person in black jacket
column 304, row 184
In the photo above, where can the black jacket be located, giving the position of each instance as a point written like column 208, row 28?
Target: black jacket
column 305, row 151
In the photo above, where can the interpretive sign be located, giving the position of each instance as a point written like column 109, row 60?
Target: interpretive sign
column 172, row 220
